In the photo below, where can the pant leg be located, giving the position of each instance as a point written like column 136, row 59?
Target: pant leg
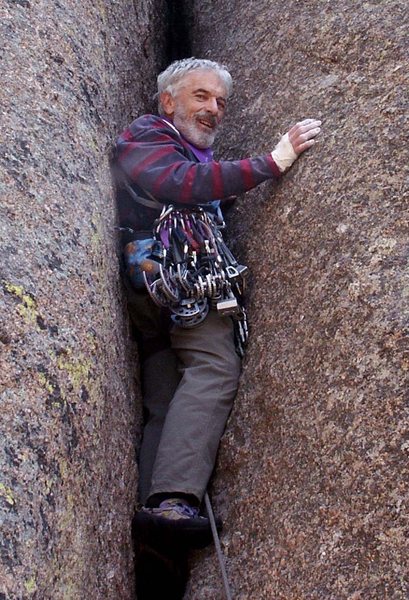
column 160, row 379
column 199, row 409
column 159, row 376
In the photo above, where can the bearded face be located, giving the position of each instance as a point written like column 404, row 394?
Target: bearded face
column 199, row 128
column 197, row 106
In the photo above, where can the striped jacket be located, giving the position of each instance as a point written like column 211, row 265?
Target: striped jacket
column 158, row 162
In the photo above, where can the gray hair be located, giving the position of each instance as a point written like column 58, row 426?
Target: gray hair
column 169, row 79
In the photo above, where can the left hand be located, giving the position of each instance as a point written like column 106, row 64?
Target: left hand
column 303, row 133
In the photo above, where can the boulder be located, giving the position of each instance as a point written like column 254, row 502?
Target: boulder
column 313, row 468
column 75, row 73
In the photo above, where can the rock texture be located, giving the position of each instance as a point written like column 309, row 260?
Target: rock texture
column 74, row 73
column 313, row 475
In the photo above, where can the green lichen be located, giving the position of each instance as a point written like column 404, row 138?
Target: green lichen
column 63, row 467
column 30, row 585
column 48, row 485
column 28, row 307
column 7, row 494
column 78, row 369
column 92, row 341
column 45, row 383
column 94, row 144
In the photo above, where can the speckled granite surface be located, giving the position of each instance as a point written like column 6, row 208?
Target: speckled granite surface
column 74, row 73
column 313, row 476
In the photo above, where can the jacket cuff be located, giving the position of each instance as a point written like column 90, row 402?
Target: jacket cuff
column 273, row 166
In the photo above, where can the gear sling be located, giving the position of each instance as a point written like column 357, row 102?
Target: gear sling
column 187, row 268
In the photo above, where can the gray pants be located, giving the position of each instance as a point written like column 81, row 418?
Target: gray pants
column 188, row 392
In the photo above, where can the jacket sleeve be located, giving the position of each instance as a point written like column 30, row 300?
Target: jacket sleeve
column 152, row 155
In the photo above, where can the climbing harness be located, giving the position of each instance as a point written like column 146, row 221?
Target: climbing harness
column 187, row 267
column 219, row 552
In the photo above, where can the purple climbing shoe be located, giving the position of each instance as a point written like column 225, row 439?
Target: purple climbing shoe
column 175, row 521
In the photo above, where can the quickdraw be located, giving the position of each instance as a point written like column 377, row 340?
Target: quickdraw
column 190, row 270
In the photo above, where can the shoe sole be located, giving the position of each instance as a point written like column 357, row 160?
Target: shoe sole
column 162, row 533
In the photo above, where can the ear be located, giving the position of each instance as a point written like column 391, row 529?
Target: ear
column 168, row 103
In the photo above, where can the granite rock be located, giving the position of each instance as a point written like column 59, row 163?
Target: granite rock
column 312, row 478
column 74, row 73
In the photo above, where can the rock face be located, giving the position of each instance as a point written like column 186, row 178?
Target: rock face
column 75, row 73
column 313, row 475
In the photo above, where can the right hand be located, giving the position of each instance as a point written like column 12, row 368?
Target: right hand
column 303, row 133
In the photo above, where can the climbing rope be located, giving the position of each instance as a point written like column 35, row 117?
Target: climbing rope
column 218, row 547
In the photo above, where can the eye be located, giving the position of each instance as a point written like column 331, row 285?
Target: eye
column 201, row 97
column 221, row 104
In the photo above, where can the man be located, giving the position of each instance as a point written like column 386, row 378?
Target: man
column 189, row 376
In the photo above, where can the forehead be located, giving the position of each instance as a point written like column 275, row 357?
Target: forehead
column 204, row 79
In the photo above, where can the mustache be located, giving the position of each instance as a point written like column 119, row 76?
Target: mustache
column 205, row 116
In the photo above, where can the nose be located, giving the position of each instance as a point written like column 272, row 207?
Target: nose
column 212, row 106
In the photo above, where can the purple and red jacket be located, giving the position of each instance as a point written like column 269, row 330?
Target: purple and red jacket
column 158, row 160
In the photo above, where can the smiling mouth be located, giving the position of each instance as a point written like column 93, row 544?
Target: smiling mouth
column 207, row 124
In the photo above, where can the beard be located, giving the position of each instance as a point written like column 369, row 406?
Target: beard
column 189, row 127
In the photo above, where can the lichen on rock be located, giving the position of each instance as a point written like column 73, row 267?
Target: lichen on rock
column 74, row 75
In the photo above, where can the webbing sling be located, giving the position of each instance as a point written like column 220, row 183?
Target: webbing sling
column 140, row 200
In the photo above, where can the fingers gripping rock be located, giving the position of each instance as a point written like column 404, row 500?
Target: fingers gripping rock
column 303, row 133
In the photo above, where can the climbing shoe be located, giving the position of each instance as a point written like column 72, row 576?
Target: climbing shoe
column 174, row 523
